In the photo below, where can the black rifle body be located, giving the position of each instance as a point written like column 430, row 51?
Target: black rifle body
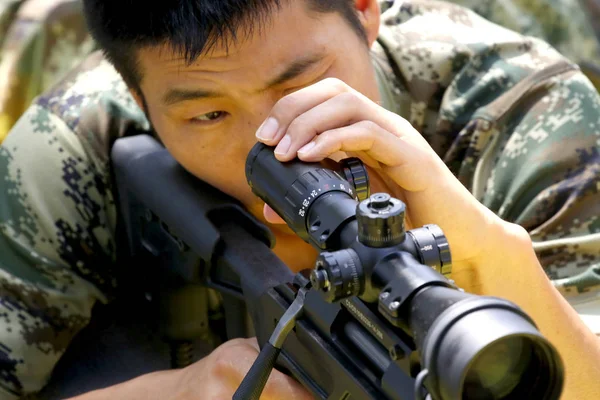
column 178, row 225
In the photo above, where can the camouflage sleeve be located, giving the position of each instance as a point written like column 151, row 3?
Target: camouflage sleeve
column 44, row 39
column 57, row 220
column 542, row 171
column 574, row 36
column 516, row 122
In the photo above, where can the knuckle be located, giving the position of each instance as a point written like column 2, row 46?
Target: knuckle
column 221, row 363
column 300, row 127
column 225, row 355
column 348, row 99
column 368, row 126
column 289, row 102
column 402, row 123
column 520, row 234
column 336, row 84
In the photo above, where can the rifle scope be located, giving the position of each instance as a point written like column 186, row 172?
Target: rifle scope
column 470, row 347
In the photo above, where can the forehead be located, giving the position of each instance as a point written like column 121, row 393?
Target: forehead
column 286, row 34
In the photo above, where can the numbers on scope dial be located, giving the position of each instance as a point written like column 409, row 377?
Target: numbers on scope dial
column 315, row 193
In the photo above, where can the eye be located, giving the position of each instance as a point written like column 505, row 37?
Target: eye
column 209, row 117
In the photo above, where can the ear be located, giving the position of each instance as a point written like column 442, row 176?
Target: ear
column 137, row 97
column 369, row 15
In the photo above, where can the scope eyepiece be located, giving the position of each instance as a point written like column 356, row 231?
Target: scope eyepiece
column 307, row 196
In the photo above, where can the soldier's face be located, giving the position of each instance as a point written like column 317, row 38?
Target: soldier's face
column 207, row 113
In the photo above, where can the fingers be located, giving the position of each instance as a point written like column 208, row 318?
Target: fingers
column 330, row 118
column 397, row 154
column 340, row 110
column 297, row 118
column 295, row 104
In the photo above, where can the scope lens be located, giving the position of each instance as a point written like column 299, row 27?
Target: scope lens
column 483, row 348
column 510, row 368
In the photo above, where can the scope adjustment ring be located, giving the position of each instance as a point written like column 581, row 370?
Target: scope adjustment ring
column 356, row 174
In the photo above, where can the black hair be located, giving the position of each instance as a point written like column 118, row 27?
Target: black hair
column 189, row 27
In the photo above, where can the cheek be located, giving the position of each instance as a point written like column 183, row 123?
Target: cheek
column 214, row 159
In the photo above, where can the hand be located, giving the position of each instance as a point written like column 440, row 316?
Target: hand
column 329, row 117
column 218, row 375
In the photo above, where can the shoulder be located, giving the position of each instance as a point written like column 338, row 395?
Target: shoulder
column 57, row 171
column 94, row 103
column 573, row 36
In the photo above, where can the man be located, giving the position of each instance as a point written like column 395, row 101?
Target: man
column 41, row 39
column 491, row 135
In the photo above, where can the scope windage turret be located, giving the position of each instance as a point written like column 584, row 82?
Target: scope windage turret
column 471, row 347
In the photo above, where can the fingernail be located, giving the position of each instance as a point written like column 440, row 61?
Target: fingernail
column 307, row 148
column 268, row 129
column 283, row 146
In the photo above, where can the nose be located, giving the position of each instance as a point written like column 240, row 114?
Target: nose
column 261, row 105
column 256, row 114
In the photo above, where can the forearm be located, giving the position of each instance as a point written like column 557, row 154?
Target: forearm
column 162, row 385
column 513, row 272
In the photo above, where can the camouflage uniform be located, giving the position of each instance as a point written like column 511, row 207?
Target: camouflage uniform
column 41, row 41
column 571, row 26
column 592, row 10
column 515, row 121
column 562, row 23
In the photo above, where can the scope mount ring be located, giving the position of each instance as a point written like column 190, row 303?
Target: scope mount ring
column 420, row 385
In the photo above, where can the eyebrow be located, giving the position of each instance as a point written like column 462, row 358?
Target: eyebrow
column 174, row 96
column 294, row 70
